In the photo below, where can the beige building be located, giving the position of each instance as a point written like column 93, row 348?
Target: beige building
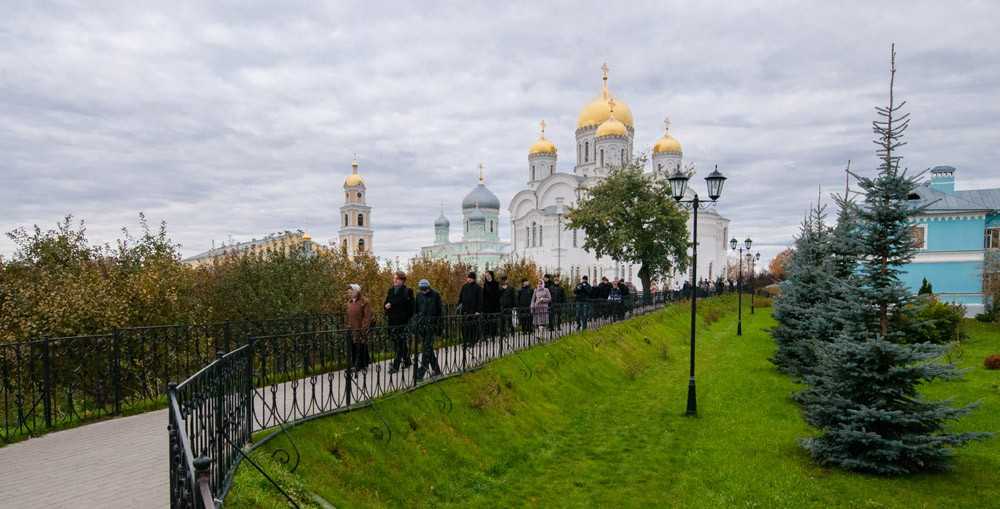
column 282, row 242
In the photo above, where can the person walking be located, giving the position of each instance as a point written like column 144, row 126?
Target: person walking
column 601, row 298
column 359, row 320
column 470, row 305
column 428, row 311
column 540, row 301
column 581, row 294
column 508, row 307
column 557, row 304
column 615, row 300
column 491, row 303
column 398, row 310
column 627, row 296
column 524, row 297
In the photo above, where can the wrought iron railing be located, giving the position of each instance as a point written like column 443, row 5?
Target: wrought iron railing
column 53, row 383
column 284, row 379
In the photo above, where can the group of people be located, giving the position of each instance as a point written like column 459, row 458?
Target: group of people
column 539, row 307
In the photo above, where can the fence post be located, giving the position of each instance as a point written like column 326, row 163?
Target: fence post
column 349, row 372
column 116, row 369
column 203, row 482
column 219, row 371
column 47, row 382
column 250, row 388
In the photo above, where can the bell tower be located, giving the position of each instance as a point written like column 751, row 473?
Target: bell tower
column 355, row 215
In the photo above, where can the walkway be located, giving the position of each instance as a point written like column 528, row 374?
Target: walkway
column 122, row 462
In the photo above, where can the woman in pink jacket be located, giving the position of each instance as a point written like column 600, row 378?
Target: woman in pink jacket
column 540, row 307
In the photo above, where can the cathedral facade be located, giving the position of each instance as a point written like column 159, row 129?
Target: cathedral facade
column 480, row 246
column 605, row 138
column 605, row 134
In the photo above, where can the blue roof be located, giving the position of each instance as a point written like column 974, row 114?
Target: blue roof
column 977, row 200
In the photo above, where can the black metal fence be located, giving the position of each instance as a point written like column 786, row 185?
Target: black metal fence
column 282, row 379
column 52, row 383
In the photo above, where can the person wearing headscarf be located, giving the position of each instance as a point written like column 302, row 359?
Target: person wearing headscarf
column 540, row 301
column 359, row 320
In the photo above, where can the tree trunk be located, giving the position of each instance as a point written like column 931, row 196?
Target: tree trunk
column 647, row 283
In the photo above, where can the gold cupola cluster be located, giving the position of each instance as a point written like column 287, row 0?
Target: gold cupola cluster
column 354, row 179
column 598, row 111
column 542, row 146
column 667, row 144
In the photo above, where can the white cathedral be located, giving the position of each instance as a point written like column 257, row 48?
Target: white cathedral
column 604, row 139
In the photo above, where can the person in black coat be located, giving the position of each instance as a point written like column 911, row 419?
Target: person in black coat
column 524, row 296
column 582, row 295
column 398, row 311
column 426, row 319
column 491, row 303
column 626, row 296
column 508, row 301
column 601, row 294
column 470, row 305
column 558, row 299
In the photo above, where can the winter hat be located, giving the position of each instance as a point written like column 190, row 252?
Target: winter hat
column 424, row 283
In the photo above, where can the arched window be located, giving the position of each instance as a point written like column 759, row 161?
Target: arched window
column 552, row 169
column 532, row 172
column 466, row 226
column 586, row 151
column 623, row 157
column 359, row 195
column 578, row 147
column 491, row 226
column 534, row 235
column 602, row 157
column 574, row 238
column 345, row 219
column 361, row 245
column 361, row 219
column 347, row 196
column 541, row 232
column 527, row 236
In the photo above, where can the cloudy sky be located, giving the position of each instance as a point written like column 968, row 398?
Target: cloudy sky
column 232, row 121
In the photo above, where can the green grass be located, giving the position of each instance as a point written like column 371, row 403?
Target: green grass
column 606, row 429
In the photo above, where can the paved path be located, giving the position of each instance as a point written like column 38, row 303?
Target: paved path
column 123, row 462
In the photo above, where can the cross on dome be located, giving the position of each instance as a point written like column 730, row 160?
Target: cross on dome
column 481, row 178
column 542, row 123
column 604, row 70
column 666, row 124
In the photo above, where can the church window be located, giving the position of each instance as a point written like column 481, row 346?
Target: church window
column 919, row 233
column 623, row 157
column 345, row 219
column 586, row 151
column 527, row 236
column 659, row 166
column 993, row 238
column 361, row 219
column 541, row 232
column 347, row 196
column 534, row 235
column 491, row 226
column 532, row 172
column 552, row 169
column 361, row 245
column 359, row 196
column 602, row 157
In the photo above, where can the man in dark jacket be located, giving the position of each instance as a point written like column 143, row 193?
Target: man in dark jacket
column 627, row 297
column 508, row 302
column 524, row 296
column 398, row 311
column 602, row 292
column 470, row 304
column 426, row 320
column 582, row 296
column 558, row 300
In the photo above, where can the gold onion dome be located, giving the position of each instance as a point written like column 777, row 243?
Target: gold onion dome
column 354, row 179
column 542, row 146
column 599, row 110
column 612, row 126
column 667, row 144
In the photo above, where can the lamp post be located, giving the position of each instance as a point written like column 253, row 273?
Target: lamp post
column 739, row 283
column 559, row 214
column 678, row 188
column 753, row 273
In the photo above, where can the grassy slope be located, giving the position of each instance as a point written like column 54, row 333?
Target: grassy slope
column 606, row 429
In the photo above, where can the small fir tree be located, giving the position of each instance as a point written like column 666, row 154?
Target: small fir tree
column 864, row 394
column 925, row 288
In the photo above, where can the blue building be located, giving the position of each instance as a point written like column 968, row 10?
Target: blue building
column 955, row 234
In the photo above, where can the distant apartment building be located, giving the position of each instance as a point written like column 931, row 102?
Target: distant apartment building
column 282, row 242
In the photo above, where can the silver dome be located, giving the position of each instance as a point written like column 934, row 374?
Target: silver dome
column 442, row 221
column 481, row 196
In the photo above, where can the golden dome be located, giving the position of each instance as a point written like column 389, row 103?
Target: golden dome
column 354, row 179
column 667, row 144
column 306, row 236
column 542, row 146
column 599, row 110
column 612, row 126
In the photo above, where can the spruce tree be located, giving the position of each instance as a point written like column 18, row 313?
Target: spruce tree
column 806, row 288
column 864, row 393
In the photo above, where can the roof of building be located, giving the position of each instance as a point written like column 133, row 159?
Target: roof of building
column 973, row 200
column 483, row 197
column 442, row 221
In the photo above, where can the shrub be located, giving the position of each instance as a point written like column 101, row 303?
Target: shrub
column 992, row 361
column 933, row 321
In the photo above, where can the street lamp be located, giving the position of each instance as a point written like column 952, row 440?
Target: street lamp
column 559, row 214
column 678, row 187
column 753, row 273
column 739, row 285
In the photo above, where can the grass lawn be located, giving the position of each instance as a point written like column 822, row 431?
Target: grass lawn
column 600, row 423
